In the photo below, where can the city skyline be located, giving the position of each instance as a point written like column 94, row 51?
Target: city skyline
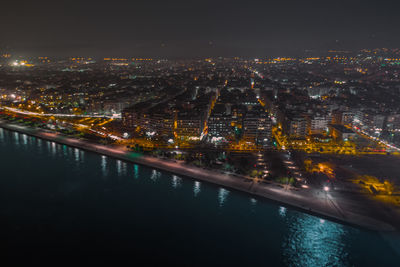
column 200, row 133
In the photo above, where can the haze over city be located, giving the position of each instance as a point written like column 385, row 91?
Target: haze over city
column 193, row 28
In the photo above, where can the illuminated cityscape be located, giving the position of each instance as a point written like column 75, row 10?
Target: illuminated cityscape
column 155, row 134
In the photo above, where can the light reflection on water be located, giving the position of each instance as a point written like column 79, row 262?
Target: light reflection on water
column 222, row 196
column 314, row 242
column 282, row 211
column 119, row 167
column 76, row 155
column 196, row 188
column 82, row 156
column 124, row 168
column 65, row 151
column 1, row 134
column 39, row 145
column 176, row 181
column 136, row 171
column 253, row 203
column 155, row 175
column 16, row 138
column 104, row 165
column 48, row 145
column 53, row 149
column 24, row 139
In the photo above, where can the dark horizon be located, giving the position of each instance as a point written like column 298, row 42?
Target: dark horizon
column 189, row 28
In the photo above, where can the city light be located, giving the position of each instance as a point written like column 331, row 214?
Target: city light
column 262, row 133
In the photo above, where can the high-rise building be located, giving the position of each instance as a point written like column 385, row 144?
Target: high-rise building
column 257, row 126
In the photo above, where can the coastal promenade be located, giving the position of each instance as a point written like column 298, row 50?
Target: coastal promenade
column 330, row 205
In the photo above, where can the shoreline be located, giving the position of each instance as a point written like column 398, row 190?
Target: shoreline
column 308, row 201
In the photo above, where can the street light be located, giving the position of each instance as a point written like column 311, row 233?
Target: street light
column 326, row 189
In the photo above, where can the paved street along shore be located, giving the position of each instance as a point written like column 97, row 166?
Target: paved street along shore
column 332, row 205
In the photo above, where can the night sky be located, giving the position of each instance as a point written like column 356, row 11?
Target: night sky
column 172, row 28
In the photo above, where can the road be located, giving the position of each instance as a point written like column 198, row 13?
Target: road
column 376, row 139
column 30, row 113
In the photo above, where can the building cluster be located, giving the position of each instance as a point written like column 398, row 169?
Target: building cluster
column 217, row 106
column 319, row 96
column 218, row 100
